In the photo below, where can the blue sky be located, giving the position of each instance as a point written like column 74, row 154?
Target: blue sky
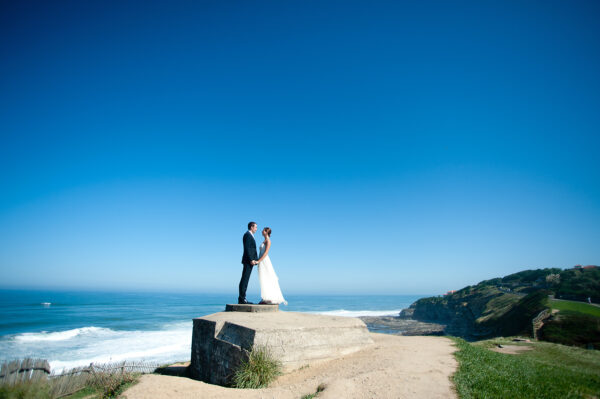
column 393, row 147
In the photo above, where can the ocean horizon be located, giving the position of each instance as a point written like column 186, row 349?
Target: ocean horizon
column 75, row 328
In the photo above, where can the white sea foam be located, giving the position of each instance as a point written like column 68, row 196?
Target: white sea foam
column 358, row 313
column 82, row 346
column 60, row 335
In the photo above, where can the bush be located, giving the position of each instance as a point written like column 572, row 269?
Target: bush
column 258, row 371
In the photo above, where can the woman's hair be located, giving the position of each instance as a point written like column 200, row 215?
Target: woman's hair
column 268, row 230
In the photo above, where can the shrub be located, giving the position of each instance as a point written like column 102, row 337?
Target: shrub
column 111, row 384
column 258, row 371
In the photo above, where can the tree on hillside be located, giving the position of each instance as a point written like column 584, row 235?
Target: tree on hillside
column 579, row 284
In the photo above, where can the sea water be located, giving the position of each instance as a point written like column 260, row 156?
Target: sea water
column 73, row 329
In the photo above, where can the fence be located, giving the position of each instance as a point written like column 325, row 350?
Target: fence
column 24, row 370
column 67, row 382
column 111, row 368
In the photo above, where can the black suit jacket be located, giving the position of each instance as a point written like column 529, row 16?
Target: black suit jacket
column 249, row 249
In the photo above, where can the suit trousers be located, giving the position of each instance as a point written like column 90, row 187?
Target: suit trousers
column 244, row 281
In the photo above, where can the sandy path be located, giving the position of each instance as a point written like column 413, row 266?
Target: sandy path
column 395, row 367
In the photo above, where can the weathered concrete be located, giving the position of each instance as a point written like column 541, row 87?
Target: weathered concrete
column 251, row 308
column 220, row 340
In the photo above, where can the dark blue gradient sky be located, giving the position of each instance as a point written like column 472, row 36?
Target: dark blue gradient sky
column 393, row 147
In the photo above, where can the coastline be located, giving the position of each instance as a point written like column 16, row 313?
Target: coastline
column 78, row 328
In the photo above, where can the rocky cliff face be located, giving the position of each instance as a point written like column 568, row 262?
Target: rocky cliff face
column 478, row 312
column 458, row 311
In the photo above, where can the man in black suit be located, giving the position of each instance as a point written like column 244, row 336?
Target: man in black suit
column 249, row 259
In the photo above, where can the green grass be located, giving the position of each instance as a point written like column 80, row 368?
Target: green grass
column 112, row 384
column 548, row 371
column 84, row 393
column 25, row 390
column 574, row 306
column 102, row 385
column 320, row 389
column 258, row 371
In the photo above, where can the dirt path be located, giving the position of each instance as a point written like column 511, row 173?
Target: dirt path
column 395, row 367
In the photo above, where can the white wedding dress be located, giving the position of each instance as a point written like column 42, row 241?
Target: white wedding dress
column 269, row 283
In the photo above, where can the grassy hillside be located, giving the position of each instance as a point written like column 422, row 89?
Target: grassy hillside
column 576, row 307
column 507, row 305
column 547, row 371
column 579, row 284
column 572, row 328
column 517, row 319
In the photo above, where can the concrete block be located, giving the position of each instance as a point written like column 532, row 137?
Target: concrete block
column 220, row 341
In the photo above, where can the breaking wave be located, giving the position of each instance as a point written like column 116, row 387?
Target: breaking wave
column 82, row 346
column 60, row 335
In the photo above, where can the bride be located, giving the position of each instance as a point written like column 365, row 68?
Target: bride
column 270, row 292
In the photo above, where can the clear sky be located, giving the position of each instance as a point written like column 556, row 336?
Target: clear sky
column 401, row 147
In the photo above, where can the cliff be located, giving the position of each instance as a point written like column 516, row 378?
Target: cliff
column 497, row 307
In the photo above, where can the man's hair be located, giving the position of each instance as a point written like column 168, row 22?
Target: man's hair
column 250, row 225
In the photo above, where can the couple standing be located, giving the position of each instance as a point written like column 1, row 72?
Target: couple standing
column 270, row 292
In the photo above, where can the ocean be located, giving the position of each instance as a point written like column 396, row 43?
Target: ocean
column 72, row 329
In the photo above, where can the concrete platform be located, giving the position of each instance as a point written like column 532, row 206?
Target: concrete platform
column 220, row 341
column 234, row 307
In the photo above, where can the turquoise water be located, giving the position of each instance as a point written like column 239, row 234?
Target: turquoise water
column 76, row 328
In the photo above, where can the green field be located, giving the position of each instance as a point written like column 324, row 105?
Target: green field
column 547, row 371
column 580, row 307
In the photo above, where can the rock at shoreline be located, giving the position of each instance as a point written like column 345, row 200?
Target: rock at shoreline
column 402, row 326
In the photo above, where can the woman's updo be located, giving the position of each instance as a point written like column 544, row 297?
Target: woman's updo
column 268, row 230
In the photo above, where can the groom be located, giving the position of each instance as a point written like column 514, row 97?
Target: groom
column 249, row 259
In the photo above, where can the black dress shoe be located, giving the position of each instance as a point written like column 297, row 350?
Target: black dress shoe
column 245, row 302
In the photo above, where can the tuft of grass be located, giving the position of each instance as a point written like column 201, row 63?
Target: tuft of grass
column 86, row 392
column 548, row 371
column 258, row 371
column 320, row 388
column 574, row 306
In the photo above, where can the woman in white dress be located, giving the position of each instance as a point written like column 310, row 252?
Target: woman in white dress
column 270, row 293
